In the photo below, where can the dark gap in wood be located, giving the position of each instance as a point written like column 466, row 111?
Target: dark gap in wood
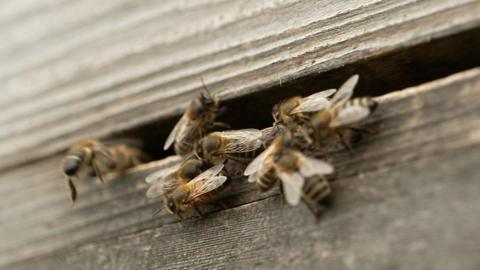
column 385, row 73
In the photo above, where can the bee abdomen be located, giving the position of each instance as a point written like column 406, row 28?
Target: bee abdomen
column 245, row 156
column 366, row 102
column 316, row 190
column 266, row 181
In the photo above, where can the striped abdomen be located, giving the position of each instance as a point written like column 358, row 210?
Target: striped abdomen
column 244, row 157
column 316, row 189
column 267, row 180
column 366, row 102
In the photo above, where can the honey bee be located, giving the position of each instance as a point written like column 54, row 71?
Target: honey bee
column 98, row 159
column 198, row 120
column 296, row 110
column 239, row 145
column 281, row 161
column 180, row 193
column 340, row 121
column 164, row 181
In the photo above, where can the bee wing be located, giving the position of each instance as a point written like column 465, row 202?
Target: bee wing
column 177, row 132
column 311, row 166
column 243, row 140
column 163, row 186
column 206, row 185
column 268, row 134
column 292, row 184
column 212, row 171
column 315, row 102
column 103, row 150
column 345, row 91
column 207, row 181
column 252, row 178
column 350, row 115
column 259, row 163
column 131, row 142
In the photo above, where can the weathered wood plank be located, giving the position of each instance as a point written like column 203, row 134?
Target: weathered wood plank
column 407, row 194
column 112, row 74
column 381, row 220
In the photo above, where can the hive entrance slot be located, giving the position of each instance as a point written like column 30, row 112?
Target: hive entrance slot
column 385, row 73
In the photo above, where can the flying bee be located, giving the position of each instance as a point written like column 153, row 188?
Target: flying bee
column 239, row 145
column 98, row 159
column 281, row 161
column 340, row 122
column 181, row 194
column 198, row 120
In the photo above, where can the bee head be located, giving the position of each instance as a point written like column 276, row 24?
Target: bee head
column 177, row 202
column 71, row 166
column 210, row 144
column 197, row 108
column 203, row 104
column 191, row 168
column 207, row 99
column 170, row 205
column 72, row 162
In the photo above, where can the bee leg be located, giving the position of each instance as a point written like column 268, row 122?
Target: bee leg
column 73, row 190
column 305, row 134
column 98, row 172
column 180, row 216
column 282, row 194
column 197, row 210
column 345, row 144
column 370, row 131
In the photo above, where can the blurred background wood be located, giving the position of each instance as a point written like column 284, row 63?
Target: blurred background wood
column 406, row 198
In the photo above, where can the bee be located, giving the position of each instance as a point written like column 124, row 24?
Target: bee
column 296, row 110
column 198, row 120
column 340, row 122
column 180, row 193
column 98, row 159
column 164, row 181
column 239, row 145
column 281, row 161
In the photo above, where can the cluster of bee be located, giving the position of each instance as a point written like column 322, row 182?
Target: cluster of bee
column 285, row 153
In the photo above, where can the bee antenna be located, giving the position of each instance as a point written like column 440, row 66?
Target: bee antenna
column 205, row 86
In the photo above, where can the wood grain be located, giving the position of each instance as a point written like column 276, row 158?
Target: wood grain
column 110, row 67
column 406, row 198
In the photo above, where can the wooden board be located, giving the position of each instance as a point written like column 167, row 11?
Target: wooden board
column 406, row 198
column 79, row 69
